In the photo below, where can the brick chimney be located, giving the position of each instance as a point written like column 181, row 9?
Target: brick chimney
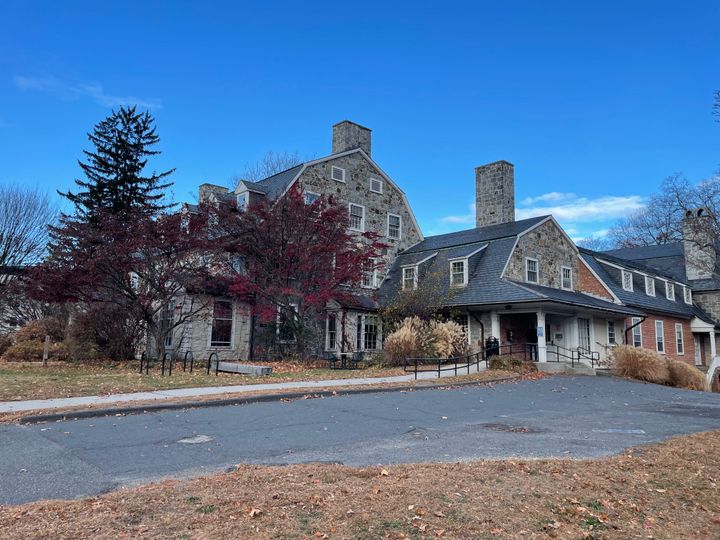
column 699, row 244
column 348, row 135
column 494, row 193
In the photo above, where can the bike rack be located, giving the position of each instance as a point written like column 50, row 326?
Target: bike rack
column 165, row 357
column 145, row 361
column 185, row 360
column 217, row 363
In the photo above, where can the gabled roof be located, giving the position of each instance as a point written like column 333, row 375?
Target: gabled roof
column 277, row 184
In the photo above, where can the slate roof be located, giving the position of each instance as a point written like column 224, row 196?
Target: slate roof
column 274, row 186
column 612, row 277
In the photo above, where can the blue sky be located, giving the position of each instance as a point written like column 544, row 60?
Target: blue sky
column 594, row 103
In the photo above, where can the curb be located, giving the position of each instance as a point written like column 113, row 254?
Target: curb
column 155, row 407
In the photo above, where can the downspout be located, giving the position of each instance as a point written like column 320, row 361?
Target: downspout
column 642, row 320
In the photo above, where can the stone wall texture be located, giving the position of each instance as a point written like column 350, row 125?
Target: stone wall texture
column 348, row 135
column 709, row 302
column 494, row 193
column 551, row 248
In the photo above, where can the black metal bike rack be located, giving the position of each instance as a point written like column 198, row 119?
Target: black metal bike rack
column 217, row 363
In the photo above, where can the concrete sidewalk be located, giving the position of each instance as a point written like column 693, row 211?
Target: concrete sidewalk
column 64, row 403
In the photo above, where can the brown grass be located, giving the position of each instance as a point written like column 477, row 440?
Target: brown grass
column 25, row 380
column 640, row 364
column 668, row 491
column 683, row 375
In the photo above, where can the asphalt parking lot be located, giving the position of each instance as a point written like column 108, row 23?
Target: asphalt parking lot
column 564, row 417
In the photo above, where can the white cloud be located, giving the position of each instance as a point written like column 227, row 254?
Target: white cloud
column 92, row 90
column 462, row 219
column 584, row 209
column 553, row 196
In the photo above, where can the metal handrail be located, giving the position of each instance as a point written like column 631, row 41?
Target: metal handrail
column 437, row 363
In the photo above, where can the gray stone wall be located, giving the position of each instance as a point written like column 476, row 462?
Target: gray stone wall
column 709, row 302
column 494, row 193
column 356, row 189
column 551, row 248
column 348, row 136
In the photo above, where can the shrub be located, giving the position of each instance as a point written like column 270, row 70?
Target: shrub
column 32, row 351
column 404, row 342
column 511, row 363
column 684, row 375
column 448, row 339
column 417, row 338
column 641, row 364
column 5, row 343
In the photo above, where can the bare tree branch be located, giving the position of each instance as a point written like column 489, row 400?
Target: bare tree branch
column 271, row 163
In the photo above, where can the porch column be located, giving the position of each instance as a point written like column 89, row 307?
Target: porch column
column 494, row 325
column 713, row 349
column 541, row 344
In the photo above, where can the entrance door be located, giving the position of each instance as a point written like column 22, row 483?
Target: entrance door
column 584, row 333
column 698, row 353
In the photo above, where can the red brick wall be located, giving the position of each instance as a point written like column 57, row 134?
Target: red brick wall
column 648, row 337
column 590, row 284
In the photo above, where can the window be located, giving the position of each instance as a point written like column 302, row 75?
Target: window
column 394, row 226
column 659, row 337
column 311, row 197
column 611, row 333
column 134, row 281
column 222, row 323
column 241, row 201
column 409, row 277
column 331, row 331
column 464, row 322
column 376, row 185
column 337, row 174
column 357, row 217
column 531, row 270
column 284, row 327
column 458, row 273
column 566, row 278
column 627, row 280
column 167, row 322
column 669, row 291
column 637, row 332
column 369, row 275
column 687, row 295
column 679, row 339
column 649, row 286
column 370, row 332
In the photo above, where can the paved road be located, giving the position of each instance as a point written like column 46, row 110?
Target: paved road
column 564, row 416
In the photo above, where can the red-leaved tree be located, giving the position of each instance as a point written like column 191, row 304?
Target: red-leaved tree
column 288, row 258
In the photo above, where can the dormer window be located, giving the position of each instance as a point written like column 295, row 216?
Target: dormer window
column 531, row 270
column 337, row 173
column 627, row 280
column 566, row 278
column 409, row 277
column 376, row 185
column 458, row 273
column 649, row 286
column 242, row 201
column 687, row 295
column 669, row 291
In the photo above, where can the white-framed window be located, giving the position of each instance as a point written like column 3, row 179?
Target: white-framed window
column 241, row 201
column 611, row 337
column 376, row 185
column 687, row 295
column 221, row 327
column 659, row 336
column 331, row 332
column 134, row 281
column 636, row 332
column 669, row 290
column 394, row 227
column 368, row 333
column 337, row 173
column 679, row 339
column 458, row 272
column 369, row 274
column 464, row 321
column 357, row 217
column 283, row 326
column 627, row 280
column 649, row 286
column 531, row 270
column 409, row 277
column 566, row 278
column 311, row 197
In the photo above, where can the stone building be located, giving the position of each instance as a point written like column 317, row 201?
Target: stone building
column 524, row 283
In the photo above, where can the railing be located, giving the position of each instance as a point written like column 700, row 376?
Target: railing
column 593, row 356
column 438, row 365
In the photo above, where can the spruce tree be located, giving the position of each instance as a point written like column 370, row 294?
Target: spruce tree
column 114, row 181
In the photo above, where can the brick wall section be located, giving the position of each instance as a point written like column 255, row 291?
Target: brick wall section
column 648, row 337
column 588, row 283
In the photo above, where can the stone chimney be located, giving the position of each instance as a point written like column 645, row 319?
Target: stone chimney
column 494, row 193
column 208, row 192
column 698, row 244
column 348, row 135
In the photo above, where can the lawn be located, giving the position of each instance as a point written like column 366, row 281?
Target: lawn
column 20, row 381
column 666, row 491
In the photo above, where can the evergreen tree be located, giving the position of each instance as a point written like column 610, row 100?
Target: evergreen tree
column 115, row 184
